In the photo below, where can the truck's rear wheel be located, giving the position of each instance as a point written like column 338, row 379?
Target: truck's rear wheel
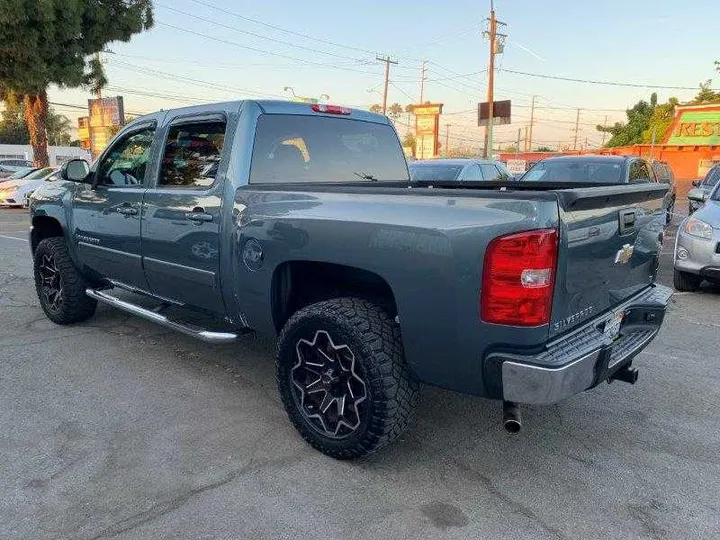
column 684, row 281
column 60, row 287
column 343, row 379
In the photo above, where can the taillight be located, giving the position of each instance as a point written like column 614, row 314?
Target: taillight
column 330, row 109
column 519, row 277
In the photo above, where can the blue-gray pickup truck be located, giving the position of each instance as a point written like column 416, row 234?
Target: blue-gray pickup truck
column 300, row 221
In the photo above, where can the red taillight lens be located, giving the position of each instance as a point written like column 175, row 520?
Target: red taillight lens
column 519, row 278
column 330, row 109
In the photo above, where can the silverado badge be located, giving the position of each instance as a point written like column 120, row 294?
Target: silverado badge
column 624, row 254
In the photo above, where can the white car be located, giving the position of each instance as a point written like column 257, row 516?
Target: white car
column 17, row 192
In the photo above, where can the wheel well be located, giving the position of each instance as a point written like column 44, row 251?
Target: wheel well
column 297, row 284
column 44, row 227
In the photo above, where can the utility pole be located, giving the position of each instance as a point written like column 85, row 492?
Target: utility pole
column 532, row 120
column 525, row 141
column 447, row 138
column 577, row 126
column 387, row 61
column 517, row 146
column 604, row 133
column 423, row 73
column 492, row 36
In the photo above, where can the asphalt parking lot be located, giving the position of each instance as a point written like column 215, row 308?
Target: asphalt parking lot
column 117, row 428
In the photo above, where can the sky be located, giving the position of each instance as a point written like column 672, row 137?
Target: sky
column 204, row 51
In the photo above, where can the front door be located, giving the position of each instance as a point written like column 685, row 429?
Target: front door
column 107, row 214
column 182, row 215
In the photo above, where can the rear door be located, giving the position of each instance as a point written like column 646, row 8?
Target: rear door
column 182, row 212
column 612, row 237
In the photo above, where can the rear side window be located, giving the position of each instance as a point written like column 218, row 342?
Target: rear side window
column 299, row 148
column 473, row 173
column 192, row 155
column 639, row 172
column 490, row 172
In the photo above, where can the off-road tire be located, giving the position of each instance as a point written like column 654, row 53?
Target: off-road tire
column 669, row 214
column 686, row 282
column 375, row 342
column 75, row 305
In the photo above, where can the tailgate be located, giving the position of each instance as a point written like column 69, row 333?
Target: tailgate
column 610, row 241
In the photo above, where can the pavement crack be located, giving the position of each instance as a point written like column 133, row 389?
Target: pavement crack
column 163, row 508
column 515, row 506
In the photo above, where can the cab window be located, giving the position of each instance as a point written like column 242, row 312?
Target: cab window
column 124, row 165
column 192, row 155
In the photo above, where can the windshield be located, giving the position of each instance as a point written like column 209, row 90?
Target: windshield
column 301, row 148
column 420, row 172
column 22, row 173
column 39, row 174
column 576, row 170
column 712, row 177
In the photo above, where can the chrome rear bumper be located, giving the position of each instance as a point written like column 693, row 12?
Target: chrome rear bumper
column 585, row 357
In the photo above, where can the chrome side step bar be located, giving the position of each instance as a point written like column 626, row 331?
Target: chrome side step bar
column 197, row 333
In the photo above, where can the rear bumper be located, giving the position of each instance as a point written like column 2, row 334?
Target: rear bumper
column 585, row 357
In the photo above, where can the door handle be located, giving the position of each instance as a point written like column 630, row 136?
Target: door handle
column 127, row 210
column 198, row 215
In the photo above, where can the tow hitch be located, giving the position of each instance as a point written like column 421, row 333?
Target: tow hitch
column 626, row 374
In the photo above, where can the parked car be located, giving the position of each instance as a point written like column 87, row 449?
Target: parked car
column 598, row 169
column 702, row 188
column 310, row 230
column 463, row 170
column 22, row 173
column 664, row 174
column 697, row 248
column 10, row 166
column 17, row 192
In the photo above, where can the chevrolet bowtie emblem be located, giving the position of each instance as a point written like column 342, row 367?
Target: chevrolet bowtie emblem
column 624, row 254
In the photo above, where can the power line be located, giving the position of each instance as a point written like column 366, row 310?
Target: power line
column 262, row 51
column 607, row 83
column 281, row 29
column 260, row 36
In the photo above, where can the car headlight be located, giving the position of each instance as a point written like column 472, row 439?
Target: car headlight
column 698, row 228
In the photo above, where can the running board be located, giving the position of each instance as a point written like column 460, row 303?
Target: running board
column 197, row 333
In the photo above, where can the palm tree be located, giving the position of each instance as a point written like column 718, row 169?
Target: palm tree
column 58, row 128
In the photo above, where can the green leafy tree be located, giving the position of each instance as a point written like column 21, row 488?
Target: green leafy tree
column 660, row 120
column 706, row 95
column 510, row 149
column 53, row 42
column 638, row 123
column 544, row 149
column 14, row 128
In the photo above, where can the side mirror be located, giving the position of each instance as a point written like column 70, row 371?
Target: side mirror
column 75, row 170
column 696, row 183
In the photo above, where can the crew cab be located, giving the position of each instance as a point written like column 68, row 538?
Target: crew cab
column 301, row 222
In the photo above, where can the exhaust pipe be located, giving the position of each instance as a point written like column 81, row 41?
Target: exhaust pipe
column 626, row 374
column 511, row 417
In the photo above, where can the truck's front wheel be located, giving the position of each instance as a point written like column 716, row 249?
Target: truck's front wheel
column 60, row 287
column 343, row 379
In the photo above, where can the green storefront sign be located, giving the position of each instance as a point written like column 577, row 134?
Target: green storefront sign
column 696, row 128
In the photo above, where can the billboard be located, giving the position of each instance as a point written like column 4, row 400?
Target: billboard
column 427, row 128
column 695, row 126
column 105, row 112
column 501, row 113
